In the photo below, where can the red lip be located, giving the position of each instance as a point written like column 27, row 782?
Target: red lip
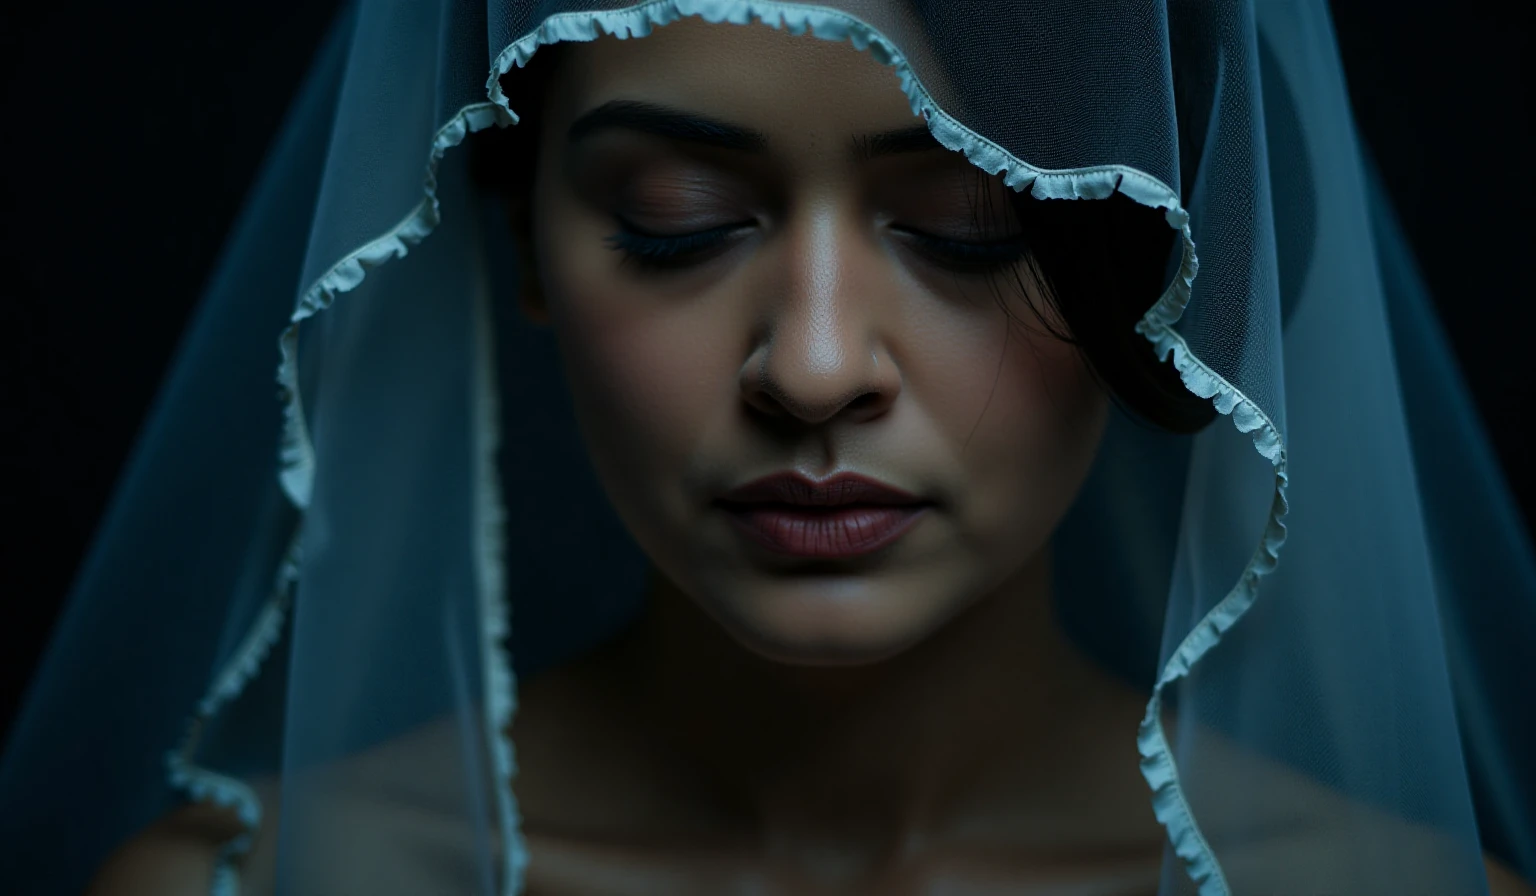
column 842, row 489
column 845, row 516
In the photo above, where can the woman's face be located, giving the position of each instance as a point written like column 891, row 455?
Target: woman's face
column 756, row 262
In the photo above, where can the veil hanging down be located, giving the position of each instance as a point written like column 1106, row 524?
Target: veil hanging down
column 1331, row 579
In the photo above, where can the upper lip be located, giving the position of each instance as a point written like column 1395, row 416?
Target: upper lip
column 840, row 490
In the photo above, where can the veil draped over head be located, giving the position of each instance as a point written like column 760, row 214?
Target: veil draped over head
column 1330, row 577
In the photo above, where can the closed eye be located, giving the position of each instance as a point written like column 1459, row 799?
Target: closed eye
column 669, row 251
column 674, row 251
column 966, row 256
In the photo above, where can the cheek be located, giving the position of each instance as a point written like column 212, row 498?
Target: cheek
column 649, row 377
column 1006, row 415
column 1024, row 419
column 630, row 375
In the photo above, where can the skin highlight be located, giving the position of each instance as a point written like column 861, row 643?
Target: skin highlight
column 863, row 715
column 914, row 722
column 819, row 338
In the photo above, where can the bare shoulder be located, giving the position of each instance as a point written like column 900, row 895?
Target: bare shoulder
column 1503, row 882
column 1281, row 812
column 403, row 794
column 175, row 856
column 371, row 795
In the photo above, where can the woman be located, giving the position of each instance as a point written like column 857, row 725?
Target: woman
column 871, row 407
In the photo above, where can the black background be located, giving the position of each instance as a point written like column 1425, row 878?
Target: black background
column 132, row 131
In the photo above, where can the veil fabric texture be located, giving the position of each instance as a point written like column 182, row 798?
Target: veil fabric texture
column 1329, row 589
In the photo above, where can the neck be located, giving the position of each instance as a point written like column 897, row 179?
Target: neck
column 886, row 754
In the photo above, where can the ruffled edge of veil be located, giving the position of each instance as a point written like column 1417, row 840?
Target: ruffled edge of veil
column 297, row 453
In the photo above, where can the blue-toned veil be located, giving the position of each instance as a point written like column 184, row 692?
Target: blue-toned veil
column 1326, row 593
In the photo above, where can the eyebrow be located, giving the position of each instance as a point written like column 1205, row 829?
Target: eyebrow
column 689, row 127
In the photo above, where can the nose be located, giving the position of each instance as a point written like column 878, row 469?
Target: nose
column 822, row 354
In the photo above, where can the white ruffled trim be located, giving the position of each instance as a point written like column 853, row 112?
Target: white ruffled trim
column 298, row 453
column 496, row 665
column 1096, row 182
column 296, row 477
column 205, row 785
column 1157, row 763
column 1158, row 766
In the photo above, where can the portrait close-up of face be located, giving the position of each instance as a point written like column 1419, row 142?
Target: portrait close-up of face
column 863, row 448
column 758, row 262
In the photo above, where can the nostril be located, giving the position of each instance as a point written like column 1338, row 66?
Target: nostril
column 868, row 405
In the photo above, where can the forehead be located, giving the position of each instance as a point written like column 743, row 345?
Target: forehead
column 796, row 89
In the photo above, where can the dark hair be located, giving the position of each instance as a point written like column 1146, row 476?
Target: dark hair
column 1100, row 263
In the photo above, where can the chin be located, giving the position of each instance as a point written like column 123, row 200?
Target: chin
column 834, row 626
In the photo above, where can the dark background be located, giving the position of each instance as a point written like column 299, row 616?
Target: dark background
column 132, row 131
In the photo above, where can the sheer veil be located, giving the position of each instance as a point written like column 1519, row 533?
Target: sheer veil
column 1329, row 583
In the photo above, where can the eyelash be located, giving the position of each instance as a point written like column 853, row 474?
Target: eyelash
column 656, row 252
column 967, row 257
column 649, row 250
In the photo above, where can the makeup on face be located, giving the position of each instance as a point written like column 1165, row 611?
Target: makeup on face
column 682, row 188
column 778, row 311
column 844, row 516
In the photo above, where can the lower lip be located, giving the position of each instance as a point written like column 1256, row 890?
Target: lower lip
column 824, row 534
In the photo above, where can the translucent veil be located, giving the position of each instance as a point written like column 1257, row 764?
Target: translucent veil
column 1327, row 594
